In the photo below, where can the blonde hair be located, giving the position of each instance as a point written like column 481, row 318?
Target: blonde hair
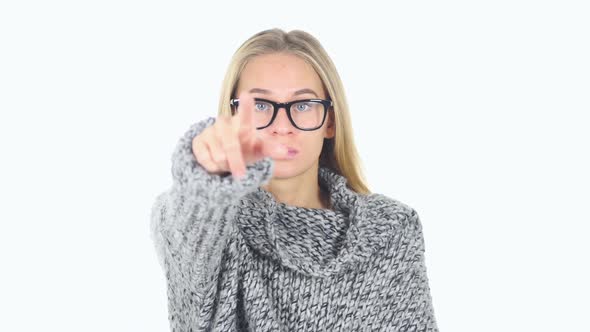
column 338, row 153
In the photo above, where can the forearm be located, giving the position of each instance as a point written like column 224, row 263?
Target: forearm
column 191, row 220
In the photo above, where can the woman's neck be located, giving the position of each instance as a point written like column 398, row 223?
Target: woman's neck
column 302, row 191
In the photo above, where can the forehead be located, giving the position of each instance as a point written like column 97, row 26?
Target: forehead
column 280, row 73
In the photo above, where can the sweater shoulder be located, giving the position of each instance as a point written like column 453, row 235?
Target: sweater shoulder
column 392, row 213
column 389, row 224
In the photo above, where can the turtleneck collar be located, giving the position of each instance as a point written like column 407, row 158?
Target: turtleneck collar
column 313, row 241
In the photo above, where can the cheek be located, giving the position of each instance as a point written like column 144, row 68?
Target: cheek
column 313, row 146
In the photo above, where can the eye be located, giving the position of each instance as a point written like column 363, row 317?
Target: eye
column 262, row 106
column 302, row 106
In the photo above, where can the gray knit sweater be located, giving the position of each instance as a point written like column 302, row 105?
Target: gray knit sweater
column 236, row 259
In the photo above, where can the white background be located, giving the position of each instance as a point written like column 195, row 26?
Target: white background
column 474, row 113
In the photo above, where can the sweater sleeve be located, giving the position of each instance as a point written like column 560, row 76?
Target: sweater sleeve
column 414, row 288
column 190, row 221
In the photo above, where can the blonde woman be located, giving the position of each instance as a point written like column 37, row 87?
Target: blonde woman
column 269, row 224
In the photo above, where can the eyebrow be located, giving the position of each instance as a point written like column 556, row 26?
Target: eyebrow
column 296, row 93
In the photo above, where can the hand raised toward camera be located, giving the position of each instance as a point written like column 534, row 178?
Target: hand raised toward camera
column 232, row 142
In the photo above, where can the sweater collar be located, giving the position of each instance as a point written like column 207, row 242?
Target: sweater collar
column 322, row 252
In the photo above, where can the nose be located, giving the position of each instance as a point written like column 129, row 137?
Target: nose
column 281, row 124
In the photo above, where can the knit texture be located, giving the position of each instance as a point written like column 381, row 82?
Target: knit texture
column 235, row 259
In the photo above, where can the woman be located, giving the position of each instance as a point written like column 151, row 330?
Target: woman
column 269, row 225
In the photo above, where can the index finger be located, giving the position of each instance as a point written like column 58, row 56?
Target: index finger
column 246, row 119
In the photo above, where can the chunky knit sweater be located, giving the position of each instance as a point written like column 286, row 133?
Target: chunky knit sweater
column 236, row 259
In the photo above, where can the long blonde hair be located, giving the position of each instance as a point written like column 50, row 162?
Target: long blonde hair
column 338, row 153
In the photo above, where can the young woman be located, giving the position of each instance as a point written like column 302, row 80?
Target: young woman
column 269, row 225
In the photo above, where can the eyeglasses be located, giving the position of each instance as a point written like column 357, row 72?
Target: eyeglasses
column 304, row 114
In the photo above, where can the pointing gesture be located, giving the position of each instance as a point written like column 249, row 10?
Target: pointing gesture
column 232, row 142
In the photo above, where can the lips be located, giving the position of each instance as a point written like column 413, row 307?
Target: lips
column 290, row 148
column 292, row 152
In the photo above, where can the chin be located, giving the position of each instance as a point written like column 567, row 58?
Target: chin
column 282, row 171
column 288, row 169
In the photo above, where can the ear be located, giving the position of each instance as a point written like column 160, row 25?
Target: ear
column 331, row 125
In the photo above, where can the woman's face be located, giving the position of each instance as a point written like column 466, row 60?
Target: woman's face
column 283, row 76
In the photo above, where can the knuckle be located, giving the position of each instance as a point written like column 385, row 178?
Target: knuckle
column 197, row 139
column 209, row 166
column 220, row 158
column 201, row 156
column 219, row 134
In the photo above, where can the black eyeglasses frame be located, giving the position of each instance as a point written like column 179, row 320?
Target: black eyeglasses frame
column 287, row 106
